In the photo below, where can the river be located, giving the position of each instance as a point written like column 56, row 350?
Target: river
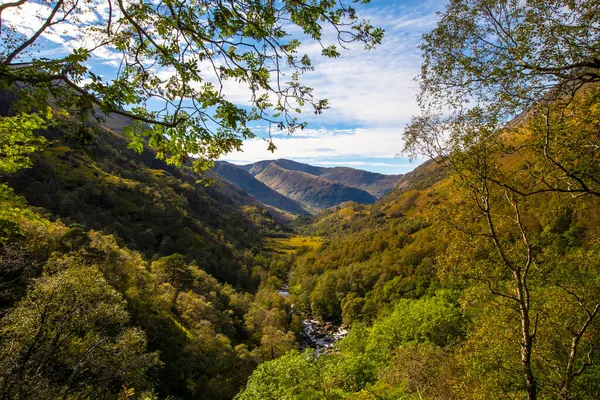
column 318, row 335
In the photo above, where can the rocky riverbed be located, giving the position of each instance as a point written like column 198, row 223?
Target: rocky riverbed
column 318, row 335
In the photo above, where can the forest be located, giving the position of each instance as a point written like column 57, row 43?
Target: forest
column 130, row 270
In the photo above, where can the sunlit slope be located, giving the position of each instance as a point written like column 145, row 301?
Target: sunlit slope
column 256, row 188
column 313, row 192
column 149, row 206
column 376, row 254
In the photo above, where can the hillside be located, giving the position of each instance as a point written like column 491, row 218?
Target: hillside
column 172, row 265
column 429, row 277
column 313, row 192
column 371, row 182
column 414, row 275
column 148, row 205
column 256, row 188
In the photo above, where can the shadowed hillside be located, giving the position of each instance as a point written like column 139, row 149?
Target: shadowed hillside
column 144, row 270
column 148, row 205
column 256, row 188
column 313, row 192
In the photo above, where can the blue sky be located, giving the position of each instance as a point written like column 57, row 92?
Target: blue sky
column 371, row 94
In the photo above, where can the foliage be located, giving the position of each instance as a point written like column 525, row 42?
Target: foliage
column 179, row 56
column 68, row 336
column 18, row 141
column 484, row 63
column 293, row 376
column 365, row 363
column 196, row 323
column 505, row 55
column 148, row 205
column 477, row 277
column 373, row 257
column 434, row 320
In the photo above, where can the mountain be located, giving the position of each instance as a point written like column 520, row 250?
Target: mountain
column 260, row 166
column 371, row 182
column 256, row 188
column 308, row 187
column 374, row 183
column 313, row 192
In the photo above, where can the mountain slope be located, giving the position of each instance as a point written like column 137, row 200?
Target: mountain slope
column 374, row 183
column 256, row 188
column 313, row 192
column 371, row 182
column 148, row 205
column 290, row 165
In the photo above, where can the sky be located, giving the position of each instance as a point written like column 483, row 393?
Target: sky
column 372, row 94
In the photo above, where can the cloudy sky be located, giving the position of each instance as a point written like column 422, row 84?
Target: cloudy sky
column 371, row 94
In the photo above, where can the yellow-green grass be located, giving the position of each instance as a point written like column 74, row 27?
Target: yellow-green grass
column 291, row 244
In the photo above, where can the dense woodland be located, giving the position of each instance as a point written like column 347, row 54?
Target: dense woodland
column 126, row 275
column 416, row 276
column 109, row 287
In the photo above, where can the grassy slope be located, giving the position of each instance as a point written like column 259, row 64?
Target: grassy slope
column 313, row 192
column 392, row 246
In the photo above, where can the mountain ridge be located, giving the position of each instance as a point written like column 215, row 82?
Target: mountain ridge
column 257, row 189
column 314, row 188
column 374, row 183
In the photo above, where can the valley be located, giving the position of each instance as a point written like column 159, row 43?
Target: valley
column 160, row 238
column 340, row 298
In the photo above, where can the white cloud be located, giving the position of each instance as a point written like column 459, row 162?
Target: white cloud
column 374, row 91
column 111, row 63
column 71, row 33
column 326, row 144
column 374, row 88
column 371, row 91
column 27, row 18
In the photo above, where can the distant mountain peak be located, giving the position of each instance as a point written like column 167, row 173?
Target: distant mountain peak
column 261, row 192
column 313, row 188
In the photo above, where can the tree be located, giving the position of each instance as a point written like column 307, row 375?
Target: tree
column 18, row 140
column 293, row 376
column 433, row 320
column 177, row 55
column 68, row 337
column 173, row 270
column 488, row 62
column 535, row 313
column 508, row 54
column 485, row 63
